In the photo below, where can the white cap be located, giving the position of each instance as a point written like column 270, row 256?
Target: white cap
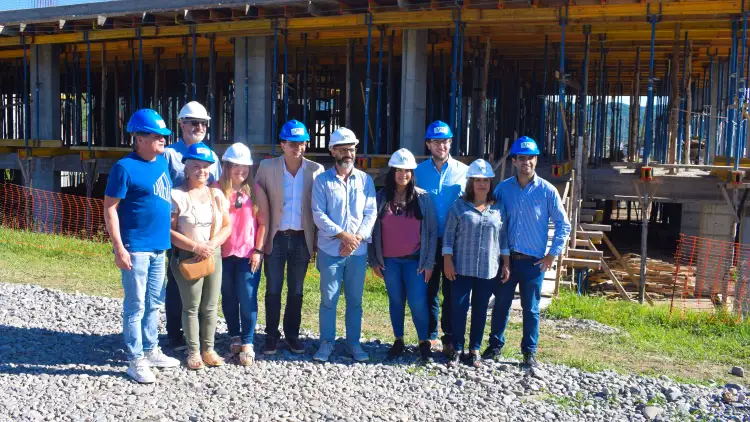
column 342, row 136
column 193, row 110
column 480, row 168
column 238, row 153
column 403, row 159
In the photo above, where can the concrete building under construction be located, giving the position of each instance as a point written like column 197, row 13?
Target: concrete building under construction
column 639, row 107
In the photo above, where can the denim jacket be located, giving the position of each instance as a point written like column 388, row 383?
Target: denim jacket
column 428, row 236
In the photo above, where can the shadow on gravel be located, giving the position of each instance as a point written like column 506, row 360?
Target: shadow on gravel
column 40, row 351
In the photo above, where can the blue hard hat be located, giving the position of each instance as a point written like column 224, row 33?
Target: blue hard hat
column 147, row 121
column 438, row 130
column 524, row 146
column 294, row 131
column 200, row 152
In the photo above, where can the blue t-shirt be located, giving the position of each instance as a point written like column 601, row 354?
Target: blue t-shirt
column 145, row 208
column 173, row 153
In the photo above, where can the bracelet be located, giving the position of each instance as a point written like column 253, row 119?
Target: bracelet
column 195, row 245
column 256, row 250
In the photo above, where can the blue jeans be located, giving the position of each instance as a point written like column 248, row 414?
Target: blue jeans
column 433, row 299
column 528, row 277
column 239, row 297
column 290, row 252
column 404, row 284
column 337, row 272
column 143, row 287
column 477, row 291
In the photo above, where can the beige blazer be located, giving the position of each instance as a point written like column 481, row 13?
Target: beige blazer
column 270, row 177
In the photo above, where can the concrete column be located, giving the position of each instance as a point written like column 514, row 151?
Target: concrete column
column 44, row 106
column 252, row 125
column 413, row 90
column 713, row 101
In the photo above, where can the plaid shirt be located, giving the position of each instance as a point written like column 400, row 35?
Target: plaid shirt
column 473, row 238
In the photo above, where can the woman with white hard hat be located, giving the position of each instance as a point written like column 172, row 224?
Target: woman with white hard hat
column 243, row 251
column 403, row 249
column 471, row 249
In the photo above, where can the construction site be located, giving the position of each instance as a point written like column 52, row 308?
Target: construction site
column 640, row 109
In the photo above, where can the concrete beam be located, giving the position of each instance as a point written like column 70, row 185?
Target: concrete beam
column 414, row 90
column 253, row 57
column 607, row 184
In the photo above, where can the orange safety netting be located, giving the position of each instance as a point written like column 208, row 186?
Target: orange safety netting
column 52, row 220
column 713, row 275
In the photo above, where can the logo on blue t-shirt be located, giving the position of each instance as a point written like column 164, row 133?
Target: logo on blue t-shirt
column 162, row 188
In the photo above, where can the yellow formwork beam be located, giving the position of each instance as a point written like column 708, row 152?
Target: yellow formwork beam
column 21, row 143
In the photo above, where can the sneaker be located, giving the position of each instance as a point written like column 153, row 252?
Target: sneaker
column 529, row 359
column 324, row 352
column 474, row 359
column 492, row 353
column 158, row 359
column 247, row 355
column 295, row 345
column 140, row 370
column 454, row 359
column 397, row 349
column 358, row 353
column 447, row 345
column 236, row 346
column 425, row 351
column 270, row 347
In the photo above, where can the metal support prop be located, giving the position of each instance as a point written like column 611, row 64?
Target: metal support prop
column 304, row 80
column 741, row 94
column 430, row 74
column 36, row 85
column 615, row 142
column 460, row 99
column 584, row 86
column 454, row 76
column 212, row 53
column 653, row 19
column 541, row 138
column 711, row 110
column 286, row 76
column 561, row 87
column 731, row 85
column 89, row 120
column 26, row 98
column 195, row 69
column 140, row 70
column 683, row 112
column 132, row 80
column 389, row 128
column 274, row 87
column 368, row 18
column 247, row 94
column 185, row 72
column 380, row 84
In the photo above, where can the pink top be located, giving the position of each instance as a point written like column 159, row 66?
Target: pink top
column 401, row 234
column 241, row 242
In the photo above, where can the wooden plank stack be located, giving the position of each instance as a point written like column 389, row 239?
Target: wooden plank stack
column 659, row 277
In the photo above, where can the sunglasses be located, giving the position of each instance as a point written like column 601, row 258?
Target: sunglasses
column 239, row 201
column 203, row 123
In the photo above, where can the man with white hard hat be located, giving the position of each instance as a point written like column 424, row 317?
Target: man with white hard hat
column 193, row 120
column 528, row 203
column 444, row 178
column 288, row 182
column 344, row 209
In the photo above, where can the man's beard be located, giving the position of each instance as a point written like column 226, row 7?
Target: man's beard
column 345, row 165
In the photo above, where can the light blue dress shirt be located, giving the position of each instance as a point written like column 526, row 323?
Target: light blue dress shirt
column 444, row 186
column 173, row 153
column 526, row 214
column 339, row 206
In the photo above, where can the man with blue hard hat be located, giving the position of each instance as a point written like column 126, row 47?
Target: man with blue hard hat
column 287, row 181
column 193, row 120
column 444, row 178
column 137, row 210
column 528, row 203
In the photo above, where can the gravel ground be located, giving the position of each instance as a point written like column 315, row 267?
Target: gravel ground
column 62, row 359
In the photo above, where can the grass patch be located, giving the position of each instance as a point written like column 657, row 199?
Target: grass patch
column 694, row 349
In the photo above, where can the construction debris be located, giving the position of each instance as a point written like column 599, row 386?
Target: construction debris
column 659, row 277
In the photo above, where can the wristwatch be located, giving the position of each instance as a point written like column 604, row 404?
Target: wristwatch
column 256, row 250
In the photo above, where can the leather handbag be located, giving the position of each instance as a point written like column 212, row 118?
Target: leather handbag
column 195, row 268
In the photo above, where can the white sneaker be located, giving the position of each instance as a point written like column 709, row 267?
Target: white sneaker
column 358, row 353
column 140, row 370
column 324, row 352
column 157, row 358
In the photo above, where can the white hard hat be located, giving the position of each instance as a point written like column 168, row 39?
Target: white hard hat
column 238, row 153
column 342, row 136
column 480, row 168
column 193, row 110
column 403, row 159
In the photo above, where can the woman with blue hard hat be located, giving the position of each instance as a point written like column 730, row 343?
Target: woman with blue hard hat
column 471, row 249
column 200, row 225
column 290, row 244
column 403, row 249
column 242, row 253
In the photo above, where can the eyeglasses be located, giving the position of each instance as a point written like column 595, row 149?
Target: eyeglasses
column 239, row 201
column 525, row 157
column 203, row 123
column 441, row 142
column 343, row 150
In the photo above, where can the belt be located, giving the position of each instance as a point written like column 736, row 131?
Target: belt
column 519, row 256
column 291, row 232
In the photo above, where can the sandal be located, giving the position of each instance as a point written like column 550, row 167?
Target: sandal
column 247, row 355
column 211, row 358
column 236, row 346
column 194, row 361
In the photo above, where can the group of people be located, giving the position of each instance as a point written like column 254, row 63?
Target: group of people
column 437, row 225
